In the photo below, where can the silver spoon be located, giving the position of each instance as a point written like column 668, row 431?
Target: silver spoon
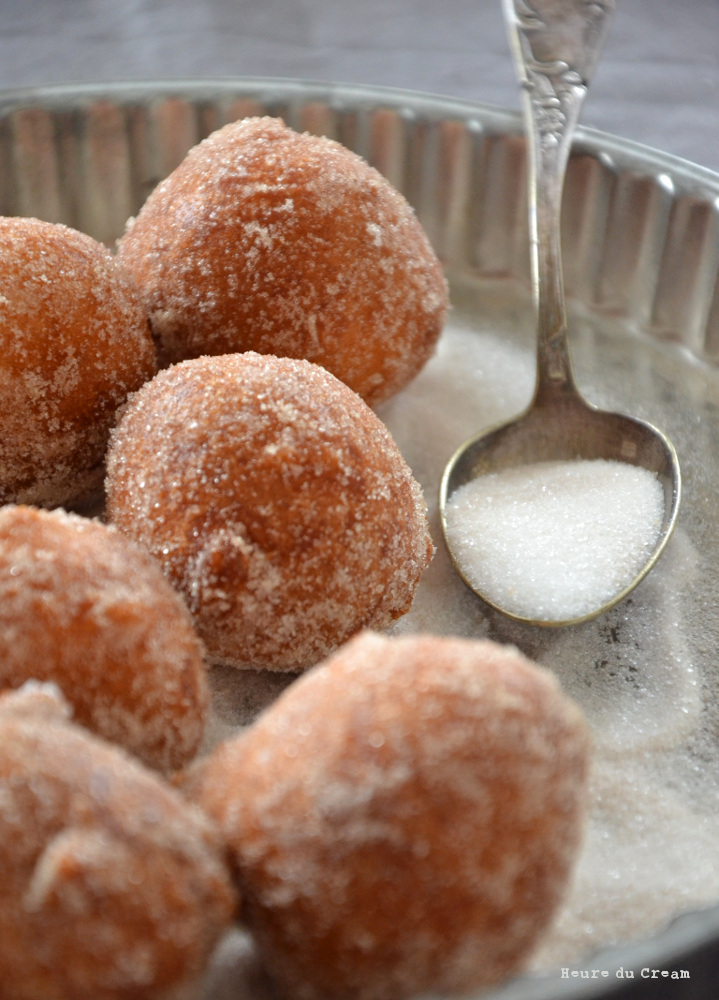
column 556, row 45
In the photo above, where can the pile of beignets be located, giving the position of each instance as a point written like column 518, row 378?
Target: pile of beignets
column 405, row 817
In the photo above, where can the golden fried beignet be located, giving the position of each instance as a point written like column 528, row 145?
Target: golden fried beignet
column 404, row 818
column 74, row 340
column 268, row 240
column 275, row 500
column 82, row 606
column 111, row 885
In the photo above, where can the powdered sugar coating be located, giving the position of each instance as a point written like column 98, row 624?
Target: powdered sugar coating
column 276, row 502
column 111, row 885
column 74, row 340
column 404, row 818
column 283, row 243
column 81, row 606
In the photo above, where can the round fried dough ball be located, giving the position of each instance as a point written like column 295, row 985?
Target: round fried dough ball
column 276, row 501
column 82, row 606
column 74, row 340
column 404, row 818
column 111, row 885
column 268, row 240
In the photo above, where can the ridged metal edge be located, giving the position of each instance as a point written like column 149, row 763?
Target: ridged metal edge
column 641, row 228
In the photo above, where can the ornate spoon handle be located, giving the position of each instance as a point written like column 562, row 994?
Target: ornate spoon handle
column 556, row 46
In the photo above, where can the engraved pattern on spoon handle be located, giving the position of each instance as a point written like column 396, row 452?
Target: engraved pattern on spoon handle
column 556, row 46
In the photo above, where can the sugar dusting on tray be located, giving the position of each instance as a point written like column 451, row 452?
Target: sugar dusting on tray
column 553, row 541
column 638, row 672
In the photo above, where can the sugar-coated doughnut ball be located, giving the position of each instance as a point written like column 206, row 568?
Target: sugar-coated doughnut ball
column 404, row 818
column 268, row 240
column 82, row 606
column 111, row 885
column 276, row 501
column 74, row 340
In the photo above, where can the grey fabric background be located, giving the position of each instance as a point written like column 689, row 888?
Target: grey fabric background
column 658, row 82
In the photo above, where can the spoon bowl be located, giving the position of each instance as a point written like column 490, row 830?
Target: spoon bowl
column 556, row 45
column 565, row 431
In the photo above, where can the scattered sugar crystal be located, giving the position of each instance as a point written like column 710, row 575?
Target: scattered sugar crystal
column 554, row 541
